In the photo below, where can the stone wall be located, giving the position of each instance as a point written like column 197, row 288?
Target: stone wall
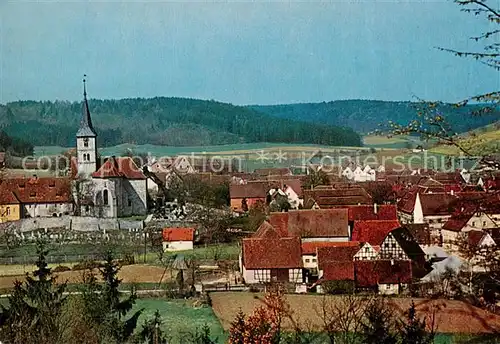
column 75, row 223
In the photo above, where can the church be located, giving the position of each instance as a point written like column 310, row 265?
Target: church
column 111, row 187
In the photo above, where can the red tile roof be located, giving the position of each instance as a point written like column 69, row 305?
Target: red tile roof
column 311, row 247
column 8, row 197
column 373, row 232
column 325, row 223
column 263, row 253
column 122, row 167
column 474, row 238
column 178, row 234
column 370, row 273
column 257, row 189
column 333, row 254
column 39, row 190
column 328, row 197
column 367, row 212
column 266, row 230
column 338, row 271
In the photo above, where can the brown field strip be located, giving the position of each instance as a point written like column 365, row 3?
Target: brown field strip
column 451, row 316
column 138, row 273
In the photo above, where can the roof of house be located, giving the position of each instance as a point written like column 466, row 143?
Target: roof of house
column 121, row 167
column 86, row 128
column 371, row 212
column 318, row 223
column 370, row 273
column 329, row 254
column 178, row 234
column 7, row 197
column 474, row 238
column 266, row 230
column 457, row 222
column 338, row 271
column 38, row 190
column 421, row 232
column 252, row 189
column 263, row 253
column 311, row 247
column 330, row 197
column 373, row 232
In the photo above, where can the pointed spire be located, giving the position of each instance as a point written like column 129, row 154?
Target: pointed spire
column 86, row 128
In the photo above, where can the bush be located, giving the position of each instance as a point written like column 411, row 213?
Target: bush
column 128, row 259
column 61, row 268
column 338, row 287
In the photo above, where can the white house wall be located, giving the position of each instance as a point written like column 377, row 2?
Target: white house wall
column 177, row 245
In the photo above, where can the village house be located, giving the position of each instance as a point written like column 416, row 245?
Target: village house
column 36, row 197
column 10, row 207
column 118, row 188
column 268, row 257
column 244, row 196
column 385, row 276
column 178, row 239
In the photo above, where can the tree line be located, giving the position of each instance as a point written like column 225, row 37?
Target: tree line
column 164, row 121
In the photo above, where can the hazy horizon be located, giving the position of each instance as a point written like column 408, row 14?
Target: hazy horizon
column 240, row 53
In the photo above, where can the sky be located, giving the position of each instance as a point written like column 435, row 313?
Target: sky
column 240, row 53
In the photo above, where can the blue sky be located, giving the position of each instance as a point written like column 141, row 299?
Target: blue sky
column 241, row 53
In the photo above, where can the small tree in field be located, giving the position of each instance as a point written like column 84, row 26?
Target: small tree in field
column 415, row 330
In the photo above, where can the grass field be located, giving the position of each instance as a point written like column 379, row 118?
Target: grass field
column 181, row 318
column 452, row 316
column 243, row 148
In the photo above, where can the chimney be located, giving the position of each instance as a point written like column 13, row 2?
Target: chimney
column 375, row 208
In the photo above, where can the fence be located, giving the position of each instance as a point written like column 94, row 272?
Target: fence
column 57, row 259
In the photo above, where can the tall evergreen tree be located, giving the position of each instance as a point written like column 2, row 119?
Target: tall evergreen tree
column 378, row 325
column 35, row 307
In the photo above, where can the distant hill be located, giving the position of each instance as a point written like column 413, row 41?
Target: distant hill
column 366, row 116
column 481, row 141
column 163, row 121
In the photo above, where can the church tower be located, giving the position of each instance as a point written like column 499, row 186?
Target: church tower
column 86, row 147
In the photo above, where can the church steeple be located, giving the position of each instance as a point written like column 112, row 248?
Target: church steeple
column 86, row 128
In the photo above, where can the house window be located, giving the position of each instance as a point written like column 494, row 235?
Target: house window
column 85, row 142
column 129, row 202
column 105, row 197
column 386, row 245
column 314, row 260
column 484, row 223
column 367, row 249
column 387, row 286
column 393, row 245
column 8, row 211
column 473, row 223
column 308, row 260
column 32, row 193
